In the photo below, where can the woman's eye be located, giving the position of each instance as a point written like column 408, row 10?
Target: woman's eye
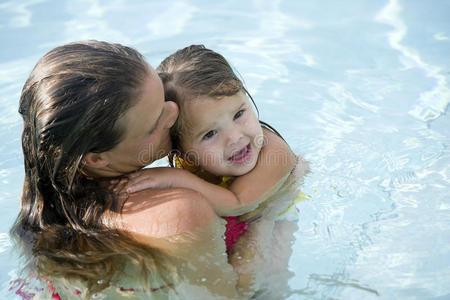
column 209, row 134
column 238, row 114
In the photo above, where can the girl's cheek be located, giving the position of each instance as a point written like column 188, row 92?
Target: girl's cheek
column 246, row 118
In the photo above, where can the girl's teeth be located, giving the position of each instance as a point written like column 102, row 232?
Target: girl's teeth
column 240, row 154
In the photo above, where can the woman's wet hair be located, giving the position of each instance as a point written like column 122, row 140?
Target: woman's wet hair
column 194, row 72
column 71, row 104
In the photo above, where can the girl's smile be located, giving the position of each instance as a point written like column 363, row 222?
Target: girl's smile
column 241, row 156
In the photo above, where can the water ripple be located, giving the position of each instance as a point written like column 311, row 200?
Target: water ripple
column 4, row 242
column 433, row 103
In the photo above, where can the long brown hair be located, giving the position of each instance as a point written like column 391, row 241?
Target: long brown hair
column 70, row 105
column 193, row 72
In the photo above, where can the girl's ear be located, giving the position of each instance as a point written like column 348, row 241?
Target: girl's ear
column 95, row 160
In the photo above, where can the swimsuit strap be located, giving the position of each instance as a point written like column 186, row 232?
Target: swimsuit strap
column 225, row 183
column 182, row 164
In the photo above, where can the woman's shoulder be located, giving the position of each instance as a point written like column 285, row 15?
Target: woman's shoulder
column 161, row 213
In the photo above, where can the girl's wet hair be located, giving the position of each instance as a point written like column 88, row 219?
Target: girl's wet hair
column 70, row 105
column 194, row 72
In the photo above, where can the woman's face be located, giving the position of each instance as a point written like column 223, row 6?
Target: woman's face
column 146, row 130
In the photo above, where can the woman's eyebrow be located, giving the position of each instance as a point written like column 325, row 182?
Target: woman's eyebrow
column 156, row 123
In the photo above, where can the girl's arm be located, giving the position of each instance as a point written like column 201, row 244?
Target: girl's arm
column 275, row 162
column 223, row 201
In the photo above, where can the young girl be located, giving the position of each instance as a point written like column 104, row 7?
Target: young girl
column 238, row 160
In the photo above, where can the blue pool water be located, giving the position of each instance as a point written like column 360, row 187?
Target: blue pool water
column 360, row 88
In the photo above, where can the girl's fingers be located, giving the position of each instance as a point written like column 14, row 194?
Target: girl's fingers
column 132, row 189
column 120, row 185
column 139, row 179
column 139, row 186
column 117, row 182
column 123, row 196
column 134, row 175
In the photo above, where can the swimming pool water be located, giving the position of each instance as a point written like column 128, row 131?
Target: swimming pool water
column 360, row 88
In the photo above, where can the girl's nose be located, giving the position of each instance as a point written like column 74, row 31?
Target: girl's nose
column 233, row 136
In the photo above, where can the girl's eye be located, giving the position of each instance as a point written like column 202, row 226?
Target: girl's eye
column 238, row 114
column 209, row 134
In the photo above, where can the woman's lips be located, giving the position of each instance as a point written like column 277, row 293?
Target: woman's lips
column 242, row 156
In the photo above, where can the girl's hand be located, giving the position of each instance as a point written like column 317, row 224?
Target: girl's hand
column 153, row 178
column 119, row 185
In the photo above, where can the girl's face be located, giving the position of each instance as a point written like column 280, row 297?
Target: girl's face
column 223, row 136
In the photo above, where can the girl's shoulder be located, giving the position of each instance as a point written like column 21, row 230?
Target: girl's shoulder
column 267, row 128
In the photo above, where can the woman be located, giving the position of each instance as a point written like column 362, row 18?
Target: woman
column 93, row 111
